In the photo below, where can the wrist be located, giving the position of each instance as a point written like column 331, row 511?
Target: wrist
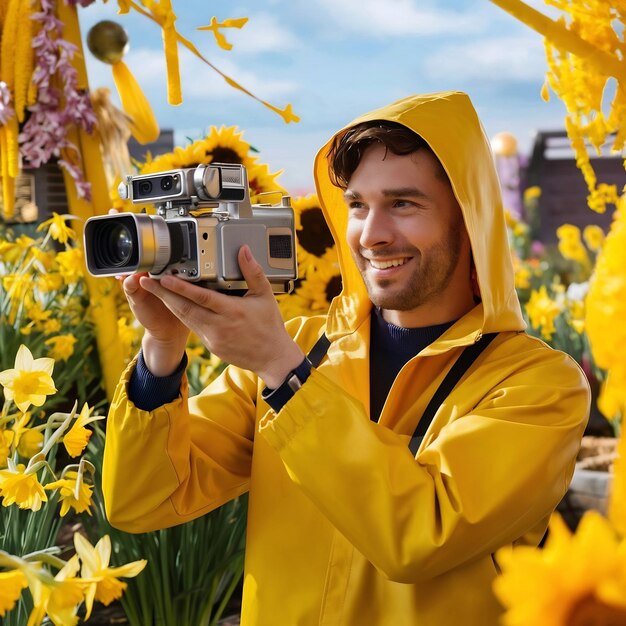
column 276, row 372
column 278, row 397
column 162, row 358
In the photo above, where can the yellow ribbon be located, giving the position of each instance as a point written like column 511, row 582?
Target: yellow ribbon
column 144, row 126
column 287, row 113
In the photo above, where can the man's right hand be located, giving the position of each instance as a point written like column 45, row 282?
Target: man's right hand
column 165, row 335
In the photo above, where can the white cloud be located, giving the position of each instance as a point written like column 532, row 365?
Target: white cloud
column 518, row 58
column 262, row 33
column 398, row 17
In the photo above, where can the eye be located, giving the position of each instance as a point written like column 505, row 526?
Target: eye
column 403, row 204
column 356, row 205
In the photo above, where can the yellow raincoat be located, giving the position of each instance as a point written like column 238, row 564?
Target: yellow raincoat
column 346, row 527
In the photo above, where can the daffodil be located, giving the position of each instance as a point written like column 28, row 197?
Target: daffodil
column 60, row 598
column 30, row 381
column 11, row 585
column 51, row 326
column 61, row 347
column 30, row 443
column 574, row 578
column 21, row 488
column 542, row 311
column 58, row 229
column 104, row 586
column 74, row 493
column 6, row 438
column 77, row 437
column 71, row 265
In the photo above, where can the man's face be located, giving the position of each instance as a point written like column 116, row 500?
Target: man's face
column 407, row 237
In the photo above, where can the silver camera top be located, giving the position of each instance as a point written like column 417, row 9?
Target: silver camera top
column 220, row 186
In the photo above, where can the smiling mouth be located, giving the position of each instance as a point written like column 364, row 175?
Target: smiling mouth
column 383, row 265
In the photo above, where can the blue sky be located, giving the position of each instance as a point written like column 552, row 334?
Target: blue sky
column 334, row 60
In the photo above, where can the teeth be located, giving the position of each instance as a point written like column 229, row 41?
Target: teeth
column 382, row 265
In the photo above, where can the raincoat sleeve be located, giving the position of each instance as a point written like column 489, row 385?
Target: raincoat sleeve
column 181, row 460
column 484, row 480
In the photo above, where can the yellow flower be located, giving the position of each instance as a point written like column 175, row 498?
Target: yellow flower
column 606, row 312
column 30, row 443
column 77, row 437
column 532, row 193
column 542, row 311
column 36, row 314
column 71, row 265
column 52, row 326
column 316, row 245
column 6, row 439
column 30, row 381
column 17, row 286
column 320, row 287
column 50, row 282
column 59, row 599
column 574, row 580
column 57, row 228
column 61, row 347
column 74, row 493
column 594, row 237
column 22, row 489
column 11, row 585
column 104, row 586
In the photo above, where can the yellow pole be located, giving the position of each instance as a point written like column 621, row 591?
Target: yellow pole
column 101, row 290
column 561, row 37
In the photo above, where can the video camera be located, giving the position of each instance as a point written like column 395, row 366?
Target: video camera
column 203, row 217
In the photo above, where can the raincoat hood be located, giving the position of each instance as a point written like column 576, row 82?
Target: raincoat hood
column 449, row 124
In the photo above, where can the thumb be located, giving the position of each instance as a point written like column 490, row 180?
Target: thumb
column 252, row 272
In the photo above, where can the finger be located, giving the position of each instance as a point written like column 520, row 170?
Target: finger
column 131, row 282
column 180, row 296
column 113, row 211
column 253, row 273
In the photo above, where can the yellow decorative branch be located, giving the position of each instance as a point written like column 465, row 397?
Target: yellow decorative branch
column 215, row 26
column 287, row 113
column 561, row 37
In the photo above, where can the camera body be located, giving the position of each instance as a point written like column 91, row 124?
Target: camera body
column 203, row 218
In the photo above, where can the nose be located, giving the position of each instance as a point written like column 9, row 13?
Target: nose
column 376, row 231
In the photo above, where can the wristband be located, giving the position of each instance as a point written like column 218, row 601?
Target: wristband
column 277, row 398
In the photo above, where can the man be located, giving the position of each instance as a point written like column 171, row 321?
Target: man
column 346, row 525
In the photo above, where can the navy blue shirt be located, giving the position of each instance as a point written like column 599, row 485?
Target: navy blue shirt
column 390, row 348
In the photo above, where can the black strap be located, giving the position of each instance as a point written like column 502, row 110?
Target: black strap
column 461, row 365
column 318, row 351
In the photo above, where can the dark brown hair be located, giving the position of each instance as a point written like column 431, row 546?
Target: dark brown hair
column 348, row 148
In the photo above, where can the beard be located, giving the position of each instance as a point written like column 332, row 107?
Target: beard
column 430, row 277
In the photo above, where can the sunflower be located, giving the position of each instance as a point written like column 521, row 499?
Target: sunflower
column 576, row 580
column 322, row 284
column 221, row 145
column 316, row 246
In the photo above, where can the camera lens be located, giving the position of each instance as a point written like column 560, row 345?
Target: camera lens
column 167, row 182
column 114, row 245
column 145, row 187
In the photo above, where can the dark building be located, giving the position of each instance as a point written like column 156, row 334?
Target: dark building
column 563, row 200
column 41, row 191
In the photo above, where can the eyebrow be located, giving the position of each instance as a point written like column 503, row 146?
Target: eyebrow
column 406, row 192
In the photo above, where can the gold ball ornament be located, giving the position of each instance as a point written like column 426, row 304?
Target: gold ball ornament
column 107, row 41
column 504, row 144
